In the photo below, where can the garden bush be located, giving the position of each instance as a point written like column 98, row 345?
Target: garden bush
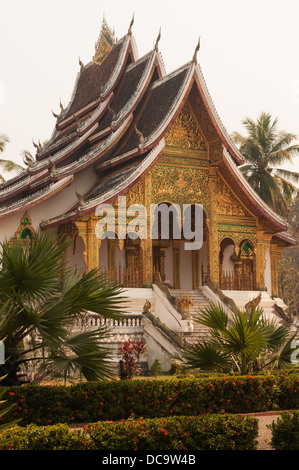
column 288, row 396
column 57, row 437
column 101, row 401
column 213, row 432
column 285, row 432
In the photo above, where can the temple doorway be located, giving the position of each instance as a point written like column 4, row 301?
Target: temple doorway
column 179, row 267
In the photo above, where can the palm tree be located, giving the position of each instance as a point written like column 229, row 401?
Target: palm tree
column 41, row 305
column 241, row 344
column 7, row 165
column 265, row 148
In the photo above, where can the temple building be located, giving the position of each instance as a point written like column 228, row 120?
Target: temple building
column 133, row 132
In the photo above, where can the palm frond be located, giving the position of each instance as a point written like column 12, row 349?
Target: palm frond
column 206, row 356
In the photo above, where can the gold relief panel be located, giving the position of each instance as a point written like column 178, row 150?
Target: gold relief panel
column 185, row 132
column 136, row 194
column 180, row 185
column 227, row 203
column 216, row 152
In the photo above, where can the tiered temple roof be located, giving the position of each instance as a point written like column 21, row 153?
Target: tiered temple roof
column 121, row 108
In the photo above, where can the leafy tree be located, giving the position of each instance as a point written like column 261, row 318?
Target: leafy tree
column 243, row 343
column 265, row 149
column 42, row 301
column 288, row 267
column 7, row 165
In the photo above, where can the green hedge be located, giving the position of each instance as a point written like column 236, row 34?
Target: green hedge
column 213, row 432
column 285, row 432
column 288, row 396
column 101, row 401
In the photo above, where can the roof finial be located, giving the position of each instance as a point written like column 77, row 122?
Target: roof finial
column 131, row 25
column 157, row 40
column 28, row 159
column 111, row 111
column 61, row 106
column 55, row 115
column 80, row 198
column 53, row 167
column 81, row 64
column 34, row 144
column 194, row 59
column 140, row 135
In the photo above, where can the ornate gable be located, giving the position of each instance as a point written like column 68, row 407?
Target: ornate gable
column 185, row 132
column 227, row 203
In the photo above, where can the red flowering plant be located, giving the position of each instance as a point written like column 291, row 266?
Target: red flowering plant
column 131, row 352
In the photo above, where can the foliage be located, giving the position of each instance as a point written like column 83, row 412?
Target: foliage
column 156, row 367
column 242, row 343
column 285, row 432
column 265, row 148
column 119, row 399
column 171, row 433
column 57, row 437
column 42, row 302
column 7, row 165
column 130, row 353
column 288, row 266
column 288, row 397
column 177, row 433
column 4, row 411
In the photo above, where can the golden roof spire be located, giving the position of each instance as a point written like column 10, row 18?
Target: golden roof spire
column 105, row 43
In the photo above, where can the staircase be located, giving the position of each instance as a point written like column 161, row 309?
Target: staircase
column 135, row 300
column 200, row 301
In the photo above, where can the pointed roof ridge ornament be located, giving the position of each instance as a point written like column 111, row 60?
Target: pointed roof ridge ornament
column 131, row 25
column 140, row 135
column 194, row 59
column 105, row 42
column 157, row 40
column 81, row 64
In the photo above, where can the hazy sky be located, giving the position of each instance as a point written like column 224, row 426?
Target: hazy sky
column 249, row 56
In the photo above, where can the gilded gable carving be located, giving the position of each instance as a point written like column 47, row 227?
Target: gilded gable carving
column 185, row 132
column 227, row 203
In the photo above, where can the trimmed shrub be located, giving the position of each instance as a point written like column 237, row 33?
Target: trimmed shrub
column 100, row 401
column 116, row 400
column 57, row 437
column 285, row 432
column 288, row 396
column 213, row 432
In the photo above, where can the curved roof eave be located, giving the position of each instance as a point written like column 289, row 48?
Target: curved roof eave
column 113, row 193
column 167, row 120
column 211, row 109
column 276, row 221
column 26, row 203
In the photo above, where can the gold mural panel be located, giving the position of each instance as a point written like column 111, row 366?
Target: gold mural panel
column 227, row 203
column 180, row 185
column 185, row 132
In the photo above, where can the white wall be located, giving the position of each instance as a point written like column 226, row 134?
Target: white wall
column 185, row 267
column 228, row 265
column 76, row 260
column 103, row 254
